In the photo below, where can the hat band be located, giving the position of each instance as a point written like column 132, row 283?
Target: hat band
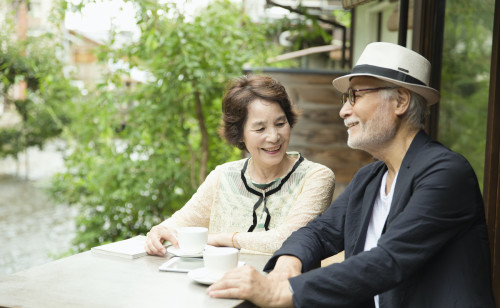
column 386, row 72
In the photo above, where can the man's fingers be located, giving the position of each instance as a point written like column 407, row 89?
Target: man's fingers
column 231, row 279
column 230, row 288
column 237, row 283
column 226, row 293
column 223, row 283
column 247, row 283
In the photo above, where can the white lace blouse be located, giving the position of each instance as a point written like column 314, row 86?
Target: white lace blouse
column 225, row 203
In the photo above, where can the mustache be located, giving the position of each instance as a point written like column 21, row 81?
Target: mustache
column 348, row 122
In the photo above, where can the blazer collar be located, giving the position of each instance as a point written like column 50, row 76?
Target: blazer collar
column 418, row 142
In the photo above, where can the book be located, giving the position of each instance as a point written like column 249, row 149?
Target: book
column 131, row 248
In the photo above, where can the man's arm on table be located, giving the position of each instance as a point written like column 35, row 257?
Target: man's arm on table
column 302, row 251
column 274, row 290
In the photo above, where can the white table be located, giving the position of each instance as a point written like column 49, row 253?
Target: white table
column 91, row 280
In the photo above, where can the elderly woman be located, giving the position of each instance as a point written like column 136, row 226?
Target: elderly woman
column 254, row 203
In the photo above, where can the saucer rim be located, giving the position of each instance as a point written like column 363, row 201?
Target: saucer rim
column 179, row 253
column 206, row 280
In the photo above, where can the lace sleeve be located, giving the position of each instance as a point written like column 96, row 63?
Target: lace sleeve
column 196, row 212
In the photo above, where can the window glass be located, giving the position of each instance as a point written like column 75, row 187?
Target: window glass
column 465, row 79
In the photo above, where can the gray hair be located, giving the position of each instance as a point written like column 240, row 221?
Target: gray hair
column 417, row 112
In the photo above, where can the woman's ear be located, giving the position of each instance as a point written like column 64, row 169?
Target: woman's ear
column 403, row 101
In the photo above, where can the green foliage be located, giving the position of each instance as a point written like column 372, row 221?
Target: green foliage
column 305, row 32
column 465, row 79
column 45, row 109
column 310, row 33
column 343, row 17
column 10, row 142
column 138, row 153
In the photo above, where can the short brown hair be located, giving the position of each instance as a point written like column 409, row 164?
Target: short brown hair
column 240, row 93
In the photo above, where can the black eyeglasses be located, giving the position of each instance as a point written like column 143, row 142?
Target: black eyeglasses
column 351, row 97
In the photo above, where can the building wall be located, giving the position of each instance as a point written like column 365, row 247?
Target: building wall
column 39, row 15
column 83, row 60
column 366, row 25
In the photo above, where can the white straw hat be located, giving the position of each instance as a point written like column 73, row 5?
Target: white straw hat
column 395, row 64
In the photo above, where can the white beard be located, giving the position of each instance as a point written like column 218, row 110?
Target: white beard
column 375, row 132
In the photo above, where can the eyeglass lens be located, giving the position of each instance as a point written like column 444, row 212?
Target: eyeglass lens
column 348, row 97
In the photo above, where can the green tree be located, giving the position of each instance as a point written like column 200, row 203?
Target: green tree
column 46, row 107
column 138, row 153
column 465, row 78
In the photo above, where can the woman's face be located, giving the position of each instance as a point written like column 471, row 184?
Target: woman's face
column 266, row 133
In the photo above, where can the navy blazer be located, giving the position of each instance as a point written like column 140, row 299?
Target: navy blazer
column 434, row 249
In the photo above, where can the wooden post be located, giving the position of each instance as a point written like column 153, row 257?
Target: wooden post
column 428, row 31
column 491, row 191
column 403, row 22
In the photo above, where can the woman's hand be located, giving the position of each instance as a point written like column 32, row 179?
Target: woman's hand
column 223, row 239
column 247, row 283
column 156, row 237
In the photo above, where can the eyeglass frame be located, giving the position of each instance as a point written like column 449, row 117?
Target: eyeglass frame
column 346, row 97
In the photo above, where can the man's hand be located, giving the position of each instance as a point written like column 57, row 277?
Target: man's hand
column 156, row 237
column 247, row 283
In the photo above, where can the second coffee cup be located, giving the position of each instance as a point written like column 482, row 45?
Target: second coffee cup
column 219, row 260
column 192, row 239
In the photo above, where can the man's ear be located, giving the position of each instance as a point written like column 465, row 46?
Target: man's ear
column 403, row 101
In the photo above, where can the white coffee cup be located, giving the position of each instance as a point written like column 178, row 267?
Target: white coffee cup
column 192, row 239
column 219, row 260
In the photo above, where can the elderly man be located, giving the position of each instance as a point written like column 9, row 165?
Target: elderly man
column 412, row 223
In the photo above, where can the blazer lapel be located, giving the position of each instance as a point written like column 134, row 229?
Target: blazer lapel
column 403, row 182
column 369, row 196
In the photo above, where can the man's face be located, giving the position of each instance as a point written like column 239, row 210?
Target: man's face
column 371, row 121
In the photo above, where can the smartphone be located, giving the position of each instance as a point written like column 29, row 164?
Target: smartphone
column 182, row 265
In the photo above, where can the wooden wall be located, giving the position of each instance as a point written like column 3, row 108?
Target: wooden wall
column 320, row 134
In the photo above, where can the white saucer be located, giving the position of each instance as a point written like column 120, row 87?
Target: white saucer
column 200, row 275
column 179, row 253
